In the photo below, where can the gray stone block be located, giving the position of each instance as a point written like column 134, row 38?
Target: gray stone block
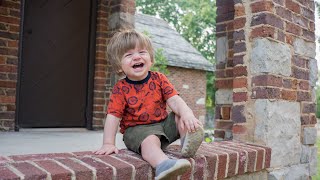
column 278, row 126
column 304, row 48
column 224, row 96
column 120, row 20
column 308, row 154
column 296, row 172
column 313, row 66
column 222, row 50
column 313, row 161
column 309, row 135
column 270, row 57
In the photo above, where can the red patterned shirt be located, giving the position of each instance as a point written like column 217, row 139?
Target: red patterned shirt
column 141, row 102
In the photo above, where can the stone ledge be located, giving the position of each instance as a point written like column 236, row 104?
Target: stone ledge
column 217, row 160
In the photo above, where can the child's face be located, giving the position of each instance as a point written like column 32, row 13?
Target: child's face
column 136, row 63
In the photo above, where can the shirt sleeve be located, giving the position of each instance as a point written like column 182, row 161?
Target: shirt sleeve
column 117, row 102
column 167, row 89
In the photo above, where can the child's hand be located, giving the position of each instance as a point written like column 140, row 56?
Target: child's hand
column 190, row 122
column 107, row 149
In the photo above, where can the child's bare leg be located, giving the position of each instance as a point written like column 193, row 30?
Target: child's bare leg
column 151, row 151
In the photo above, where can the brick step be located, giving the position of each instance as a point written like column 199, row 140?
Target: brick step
column 216, row 160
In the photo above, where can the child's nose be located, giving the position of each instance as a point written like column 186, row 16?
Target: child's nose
column 136, row 56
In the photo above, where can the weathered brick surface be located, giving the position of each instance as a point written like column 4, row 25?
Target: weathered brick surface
column 213, row 160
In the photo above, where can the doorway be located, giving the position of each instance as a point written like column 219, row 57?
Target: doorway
column 54, row 72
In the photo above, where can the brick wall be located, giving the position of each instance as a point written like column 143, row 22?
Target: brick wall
column 112, row 16
column 224, row 67
column 191, row 84
column 9, row 43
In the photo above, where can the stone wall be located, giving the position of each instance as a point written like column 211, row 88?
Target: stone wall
column 266, row 79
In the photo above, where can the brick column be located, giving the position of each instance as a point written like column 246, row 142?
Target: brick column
column 112, row 16
column 9, row 43
column 272, row 95
column 224, row 69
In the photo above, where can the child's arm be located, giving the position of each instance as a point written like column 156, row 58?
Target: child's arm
column 187, row 118
column 109, row 135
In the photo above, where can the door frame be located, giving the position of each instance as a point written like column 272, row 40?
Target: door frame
column 91, row 60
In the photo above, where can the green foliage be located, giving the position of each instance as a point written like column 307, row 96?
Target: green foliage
column 195, row 20
column 160, row 63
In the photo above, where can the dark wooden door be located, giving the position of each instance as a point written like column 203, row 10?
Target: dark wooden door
column 54, row 66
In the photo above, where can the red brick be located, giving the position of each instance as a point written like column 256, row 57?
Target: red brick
column 238, row 59
column 289, row 39
column 290, row 83
column 200, row 167
column 300, row 73
column 284, row 13
column 261, row 6
column 222, row 160
column 281, row 36
column 304, row 85
column 294, row 29
column 224, row 83
column 239, row 129
column 266, row 93
column 238, row 36
column 267, row 80
column 32, row 157
column 237, row 114
column 81, row 172
column 3, row 160
column 240, row 83
column 103, row 171
column 229, row 73
column 240, row 96
column 293, row 6
column 303, row 96
column 240, row 71
column 141, row 166
column 289, row 95
column 267, row 18
column 30, row 171
column 211, row 161
column 309, row 35
column 7, row 174
column 225, row 112
column 56, row 171
column 308, row 108
column 124, row 170
column 239, row 22
column 223, row 124
column 239, row 47
column 7, row 99
column 8, row 84
column 263, row 31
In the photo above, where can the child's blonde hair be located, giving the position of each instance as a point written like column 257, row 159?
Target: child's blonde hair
column 123, row 41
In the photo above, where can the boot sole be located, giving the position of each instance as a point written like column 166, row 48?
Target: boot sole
column 192, row 142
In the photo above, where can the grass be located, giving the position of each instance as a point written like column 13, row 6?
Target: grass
column 317, row 176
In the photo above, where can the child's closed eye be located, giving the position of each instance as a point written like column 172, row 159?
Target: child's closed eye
column 127, row 55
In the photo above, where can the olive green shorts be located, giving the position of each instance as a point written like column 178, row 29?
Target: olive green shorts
column 166, row 131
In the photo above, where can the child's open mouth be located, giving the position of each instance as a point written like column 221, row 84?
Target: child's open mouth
column 139, row 65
